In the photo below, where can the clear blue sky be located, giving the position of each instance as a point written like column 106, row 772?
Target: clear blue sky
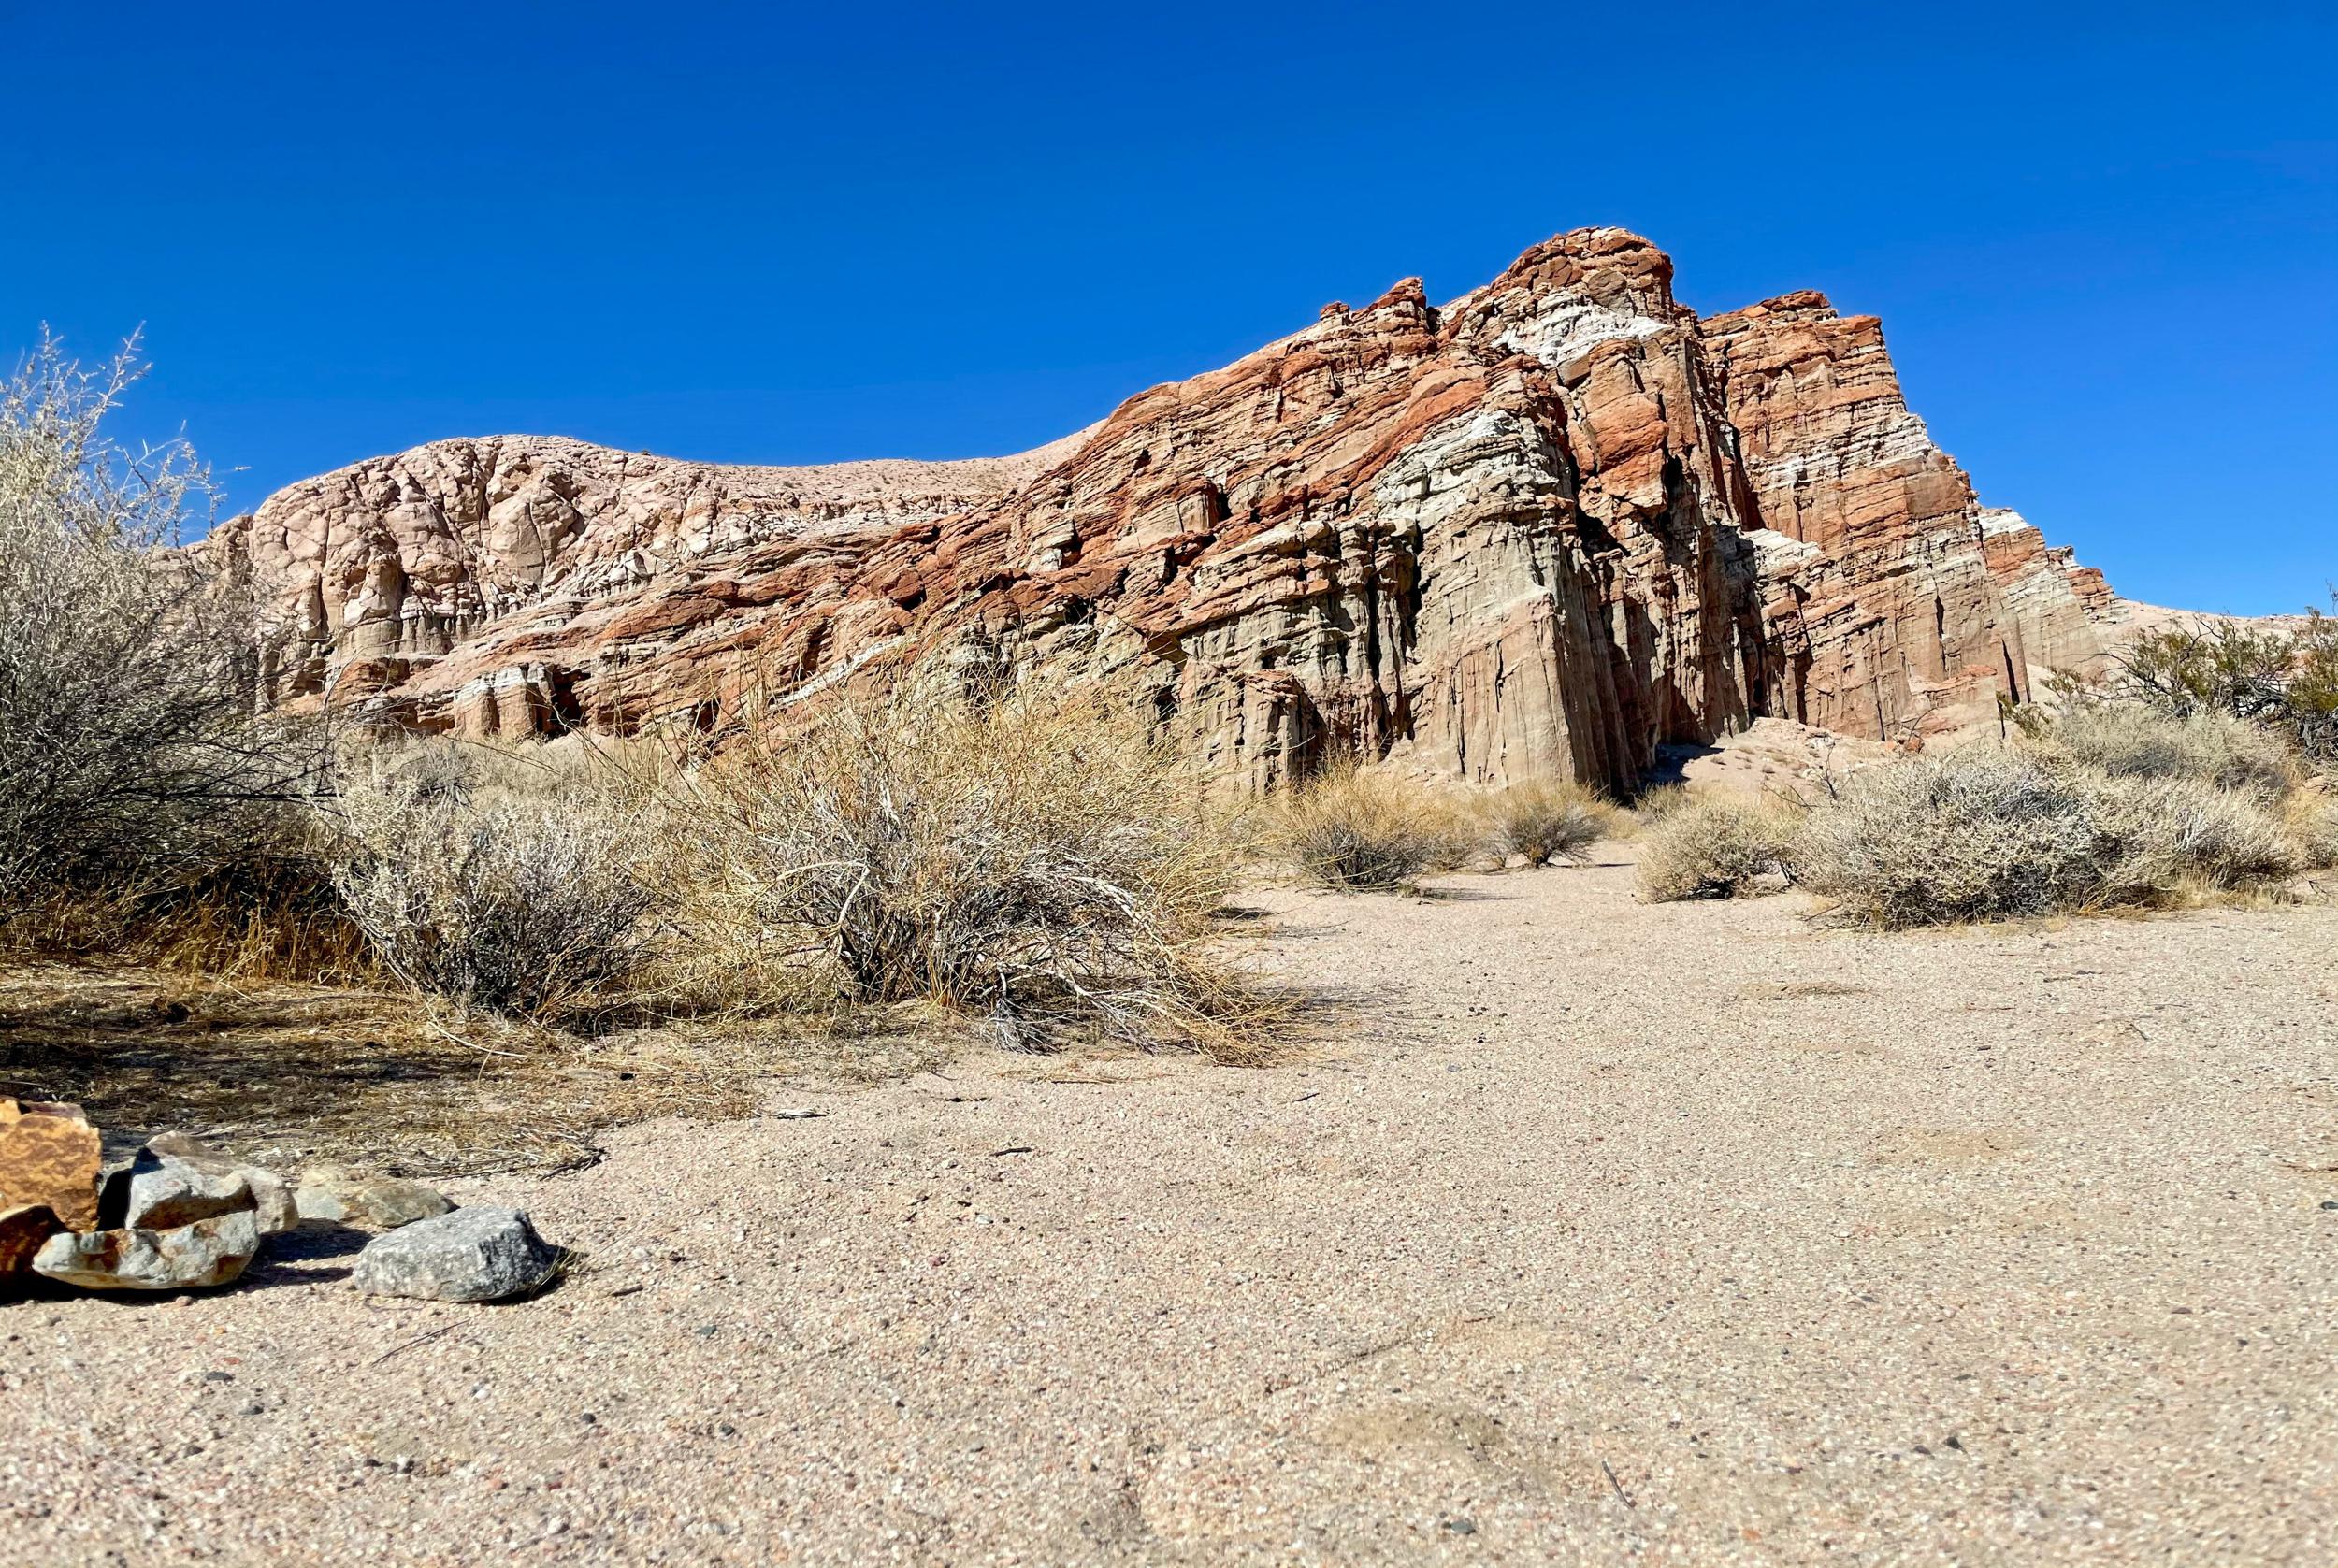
column 2103, row 239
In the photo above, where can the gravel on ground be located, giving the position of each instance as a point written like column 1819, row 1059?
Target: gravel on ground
column 1591, row 1231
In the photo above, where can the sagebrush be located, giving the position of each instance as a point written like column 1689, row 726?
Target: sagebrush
column 1990, row 832
column 542, row 907
column 2129, row 739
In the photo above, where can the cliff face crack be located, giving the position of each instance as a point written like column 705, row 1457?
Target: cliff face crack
column 1542, row 530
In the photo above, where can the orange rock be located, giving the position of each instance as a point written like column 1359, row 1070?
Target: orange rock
column 50, row 1156
column 22, row 1229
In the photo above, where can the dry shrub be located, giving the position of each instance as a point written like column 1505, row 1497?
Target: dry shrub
column 1365, row 832
column 1990, row 832
column 1024, row 851
column 1713, row 846
column 272, row 915
column 132, row 757
column 538, row 908
column 1656, row 803
column 1546, row 820
column 2127, row 739
column 2313, row 822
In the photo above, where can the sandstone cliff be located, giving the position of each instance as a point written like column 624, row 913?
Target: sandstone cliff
column 1543, row 528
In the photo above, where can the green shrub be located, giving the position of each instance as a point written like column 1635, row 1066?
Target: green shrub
column 2286, row 682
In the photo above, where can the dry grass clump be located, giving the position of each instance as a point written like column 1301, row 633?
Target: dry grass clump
column 1544, row 820
column 1991, row 832
column 1713, row 846
column 1366, row 831
column 1658, row 801
column 2126, row 739
column 538, row 908
column 2313, row 821
column 1026, row 852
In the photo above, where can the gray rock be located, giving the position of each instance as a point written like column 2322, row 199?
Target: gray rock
column 366, row 1203
column 174, row 1180
column 472, row 1255
column 210, row 1252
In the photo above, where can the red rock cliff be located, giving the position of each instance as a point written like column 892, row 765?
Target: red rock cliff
column 1543, row 528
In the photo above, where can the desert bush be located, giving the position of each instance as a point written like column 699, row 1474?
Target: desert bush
column 133, row 755
column 1363, row 831
column 1024, row 850
column 1713, row 846
column 2129, row 739
column 1547, row 821
column 2284, row 681
column 538, row 908
column 1654, row 803
column 1992, row 832
column 2313, row 822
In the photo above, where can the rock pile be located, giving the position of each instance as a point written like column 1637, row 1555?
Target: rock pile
column 170, row 1213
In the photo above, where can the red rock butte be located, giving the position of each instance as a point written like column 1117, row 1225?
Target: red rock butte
column 1540, row 530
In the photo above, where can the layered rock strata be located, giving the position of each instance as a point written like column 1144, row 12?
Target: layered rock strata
column 1544, row 528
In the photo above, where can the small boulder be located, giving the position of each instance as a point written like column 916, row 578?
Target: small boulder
column 472, row 1255
column 365, row 1203
column 186, row 1258
column 49, row 1156
column 176, row 1180
column 22, row 1229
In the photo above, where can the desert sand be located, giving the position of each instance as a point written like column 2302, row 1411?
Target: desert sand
column 1589, row 1232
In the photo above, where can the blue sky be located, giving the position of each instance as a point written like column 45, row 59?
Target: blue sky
column 2103, row 239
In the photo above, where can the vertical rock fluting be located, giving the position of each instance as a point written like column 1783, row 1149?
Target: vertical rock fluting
column 1898, row 600
column 1542, row 529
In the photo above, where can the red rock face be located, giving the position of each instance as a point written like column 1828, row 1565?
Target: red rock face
column 1540, row 530
column 1899, row 603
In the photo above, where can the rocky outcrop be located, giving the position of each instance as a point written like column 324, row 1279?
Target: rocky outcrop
column 1897, row 600
column 1544, row 528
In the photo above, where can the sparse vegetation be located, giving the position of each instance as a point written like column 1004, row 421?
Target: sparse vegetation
column 2284, row 682
column 1714, row 846
column 1654, row 803
column 136, row 768
column 2129, row 740
column 1362, row 830
column 1023, row 852
column 1546, row 821
column 1989, row 832
column 538, row 908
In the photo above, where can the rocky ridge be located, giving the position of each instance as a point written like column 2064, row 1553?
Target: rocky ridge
column 1547, row 527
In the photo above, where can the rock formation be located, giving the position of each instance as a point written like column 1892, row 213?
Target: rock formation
column 1543, row 528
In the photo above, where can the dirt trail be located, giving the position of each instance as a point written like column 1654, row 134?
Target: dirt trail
column 1671, row 1235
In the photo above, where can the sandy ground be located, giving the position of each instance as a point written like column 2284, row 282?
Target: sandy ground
column 1604, row 1233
